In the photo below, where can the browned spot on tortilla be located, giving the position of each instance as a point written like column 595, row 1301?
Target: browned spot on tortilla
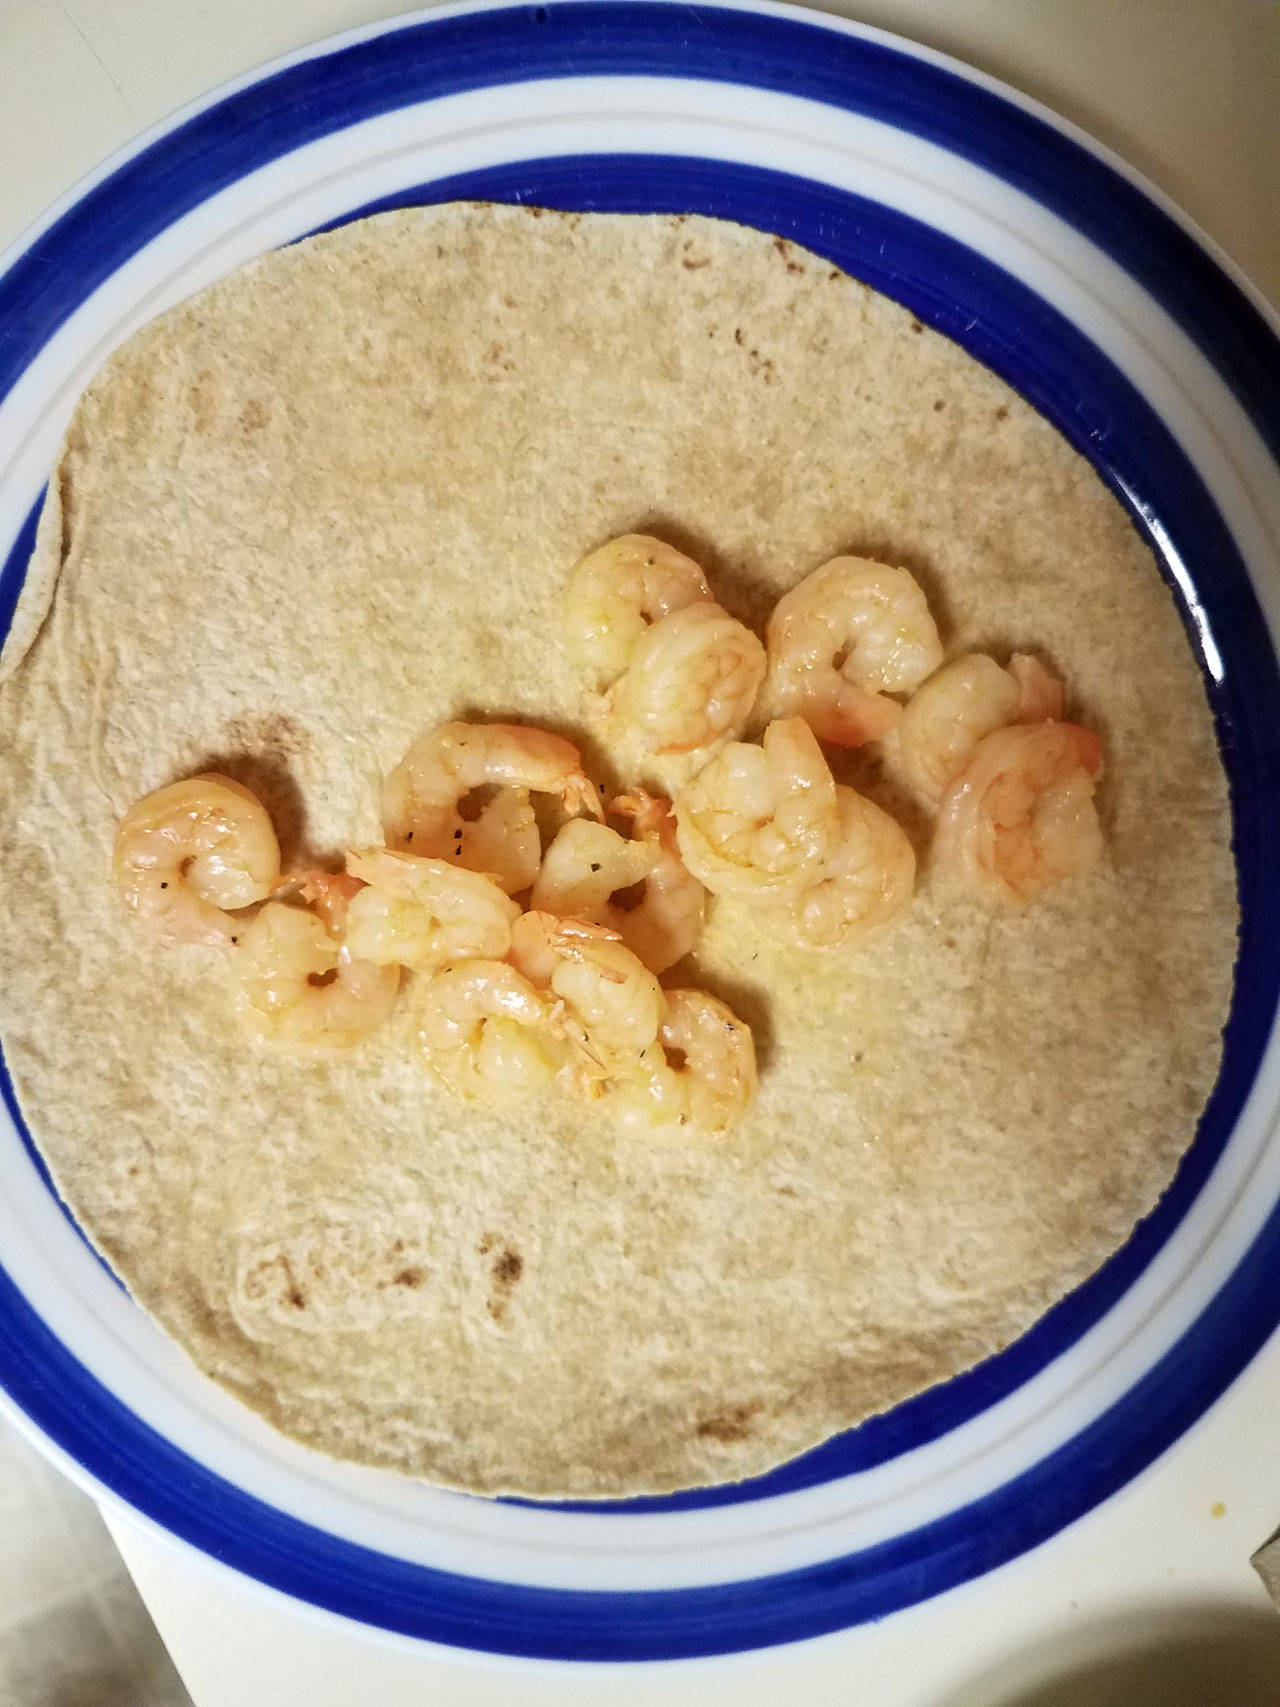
column 487, row 1242
column 794, row 267
column 202, row 400
column 508, row 1268
column 939, row 403
column 297, row 1298
column 253, row 417
column 1002, row 414
column 786, row 1191
column 411, row 1277
column 728, row 1426
column 693, row 266
column 916, row 326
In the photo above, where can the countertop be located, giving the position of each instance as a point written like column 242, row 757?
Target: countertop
column 1151, row 1597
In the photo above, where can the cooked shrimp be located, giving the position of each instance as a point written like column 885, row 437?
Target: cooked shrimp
column 1020, row 815
column 946, row 718
column 298, row 986
column 692, row 680
column 423, row 796
column 424, row 913
column 615, row 592
column 699, row 1075
column 868, row 883
column 840, row 642
column 669, row 920
column 614, row 1004
column 588, row 865
column 191, row 854
column 963, row 701
column 761, row 822
column 488, row 1035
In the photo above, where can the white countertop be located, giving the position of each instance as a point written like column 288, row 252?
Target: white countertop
column 1151, row 1598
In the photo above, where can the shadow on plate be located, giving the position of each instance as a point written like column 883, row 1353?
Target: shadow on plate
column 1196, row 1656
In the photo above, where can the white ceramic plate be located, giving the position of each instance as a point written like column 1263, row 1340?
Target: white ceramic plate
column 1050, row 262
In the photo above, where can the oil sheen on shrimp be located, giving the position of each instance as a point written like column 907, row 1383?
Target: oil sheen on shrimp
column 959, row 704
column 692, row 680
column 301, row 988
column 190, row 855
column 761, row 822
column 615, row 592
column 424, row 913
column 849, row 635
column 698, row 1078
column 1020, row 815
column 423, row 797
column 487, row 1034
column 591, row 872
column 613, row 1004
column 868, row 882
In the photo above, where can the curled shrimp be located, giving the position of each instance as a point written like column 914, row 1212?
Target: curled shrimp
column 298, row 986
column 487, row 1034
column 692, row 680
column 698, row 1076
column 189, row 855
column 423, row 796
column 1020, row 815
column 944, row 721
column 963, row 701
column 761, row 822
column 424, row 913
column 589, row 867
column 615, row 592
column 613, row 1004
column 868, row 882
column 850, row 634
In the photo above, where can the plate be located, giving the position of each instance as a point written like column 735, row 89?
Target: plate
column 1046, row 259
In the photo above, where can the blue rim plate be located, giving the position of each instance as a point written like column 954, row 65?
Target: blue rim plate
column 998, row 225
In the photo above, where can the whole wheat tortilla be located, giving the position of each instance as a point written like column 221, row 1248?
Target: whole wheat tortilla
column 333, row 500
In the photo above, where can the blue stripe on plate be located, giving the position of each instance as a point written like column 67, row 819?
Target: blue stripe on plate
column 294, row 106
column 1006, row 326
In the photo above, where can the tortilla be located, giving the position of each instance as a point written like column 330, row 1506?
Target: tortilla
column 332, row 501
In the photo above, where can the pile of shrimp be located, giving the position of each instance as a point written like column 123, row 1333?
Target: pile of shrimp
column 532, row 941
column 528, row 968
column 852, row 657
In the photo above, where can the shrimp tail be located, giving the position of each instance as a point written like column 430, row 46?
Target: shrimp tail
column 649, row 815
column 581, row 795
